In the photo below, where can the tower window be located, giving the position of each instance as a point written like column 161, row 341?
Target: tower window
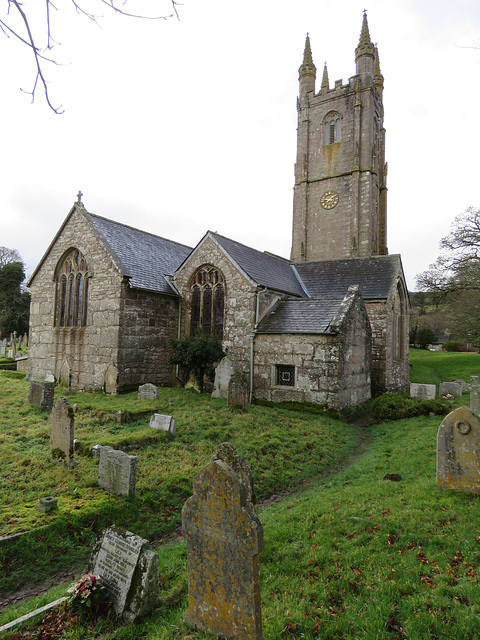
column 332, row 128
column 208, row 301
column 71, row 282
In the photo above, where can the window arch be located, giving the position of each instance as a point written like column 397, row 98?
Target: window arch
column 207, row 288
column 332, row 128
column 71, row 280
column 399, row 322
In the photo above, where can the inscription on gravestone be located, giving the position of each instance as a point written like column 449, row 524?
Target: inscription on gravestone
column 164, row 423
column 129, row 571
column 423, row 391
column 148, row 391
column 454, row 388
column 117, row 472
column 458, row 452
column 224, row 539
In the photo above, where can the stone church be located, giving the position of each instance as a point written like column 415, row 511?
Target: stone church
column 329, row 325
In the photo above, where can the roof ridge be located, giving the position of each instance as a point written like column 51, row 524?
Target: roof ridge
column 262, row 253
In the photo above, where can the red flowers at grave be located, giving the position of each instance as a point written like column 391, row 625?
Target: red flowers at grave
column 87, row 590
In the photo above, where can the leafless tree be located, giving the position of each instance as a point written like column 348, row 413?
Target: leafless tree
column 9, row 255
column 30, row 37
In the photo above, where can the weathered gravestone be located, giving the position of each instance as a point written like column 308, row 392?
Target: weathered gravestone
column 61, row 432
column 423, row 391
column 148, row 391
column 65, row 376
column 40, row 394
column 129, row 571
column 237, row 395
column 3, row 348
column 474, row 394
column 223, row 372
column 164, row 423
column 458, row 452
column 463, row 384
column 111, row 380
column 224, row 539
column 117, row 472
column 10, row 353
column 454, row 388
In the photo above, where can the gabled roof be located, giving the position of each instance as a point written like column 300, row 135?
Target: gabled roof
column 264, row 269
column 146, row 259
column 330, row 279
column 300, row 316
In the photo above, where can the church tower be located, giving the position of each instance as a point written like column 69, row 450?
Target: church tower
column 340, row 195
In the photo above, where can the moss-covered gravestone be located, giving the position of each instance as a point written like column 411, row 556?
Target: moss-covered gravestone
column 224, row 539
column 458, row 452
column 61, row 432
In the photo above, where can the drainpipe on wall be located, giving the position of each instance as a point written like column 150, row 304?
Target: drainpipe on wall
column 179, row 327
column 252, row 340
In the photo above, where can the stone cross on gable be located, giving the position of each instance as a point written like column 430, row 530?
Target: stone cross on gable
column 79, row 197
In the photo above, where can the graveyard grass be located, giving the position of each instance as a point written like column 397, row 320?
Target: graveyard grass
column 347, row 553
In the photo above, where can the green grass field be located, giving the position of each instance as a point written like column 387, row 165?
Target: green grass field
column 347, row 554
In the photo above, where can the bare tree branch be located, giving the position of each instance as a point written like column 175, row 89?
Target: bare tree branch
column 31, row 41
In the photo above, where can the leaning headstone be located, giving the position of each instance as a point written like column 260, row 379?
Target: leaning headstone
column 223, row 372
column 224, row 539
column 423, row 391
column 40, row 394
column 458, row 452
column 117, row 472
column 61, row 432
column 164, row 423
column 148, row 391
column 454, row 388
column 474, row 394
column 237, row 395
column 129, row 571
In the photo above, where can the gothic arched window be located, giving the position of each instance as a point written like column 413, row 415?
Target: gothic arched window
column 332, row 128
column 208, row 301
column 399, row 322
column 71, row 279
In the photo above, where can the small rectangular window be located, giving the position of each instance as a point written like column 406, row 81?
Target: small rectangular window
column 285, row 375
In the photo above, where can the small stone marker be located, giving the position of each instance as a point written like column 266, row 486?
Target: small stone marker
column 117, row 472
column 148, row 391
column 164, row 423
column 47, row 504
column 458, row 452
column 10, row 353
column 238, row 391
column 455, row 388
column 423, row 391
column 223, row 372
column 474, row 394
column 224, row 539
column 61, row 432
column 129, row 571
column 40, row 394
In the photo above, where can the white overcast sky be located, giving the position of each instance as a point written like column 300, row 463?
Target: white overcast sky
column 177, row 127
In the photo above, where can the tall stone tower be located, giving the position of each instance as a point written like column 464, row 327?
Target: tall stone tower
column 340, row 195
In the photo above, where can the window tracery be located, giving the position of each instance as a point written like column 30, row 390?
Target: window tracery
column 207, row 301
column 72, row 280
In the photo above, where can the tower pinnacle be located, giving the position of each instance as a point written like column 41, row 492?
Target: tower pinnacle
column 307, row 71
column 365, row 52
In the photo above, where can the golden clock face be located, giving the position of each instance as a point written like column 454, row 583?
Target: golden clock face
column 329, row 199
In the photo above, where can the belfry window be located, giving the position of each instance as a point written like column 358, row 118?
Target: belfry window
column 71, row 305
column 207, row 289
column 332, row 128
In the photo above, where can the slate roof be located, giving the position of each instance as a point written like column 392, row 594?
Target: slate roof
column 145, row 258
column 300, row 316
column 330, row 279
column 265, row 269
